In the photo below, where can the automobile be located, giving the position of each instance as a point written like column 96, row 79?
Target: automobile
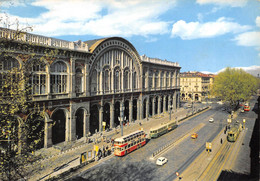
column 242, row 110
column 161, row 161
column 189, row 105
column 211, row 120
column 194, row 136
column 223, row 109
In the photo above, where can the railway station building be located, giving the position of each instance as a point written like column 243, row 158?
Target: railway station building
column 86, row 87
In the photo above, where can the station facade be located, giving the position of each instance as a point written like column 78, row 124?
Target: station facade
column 87, row 87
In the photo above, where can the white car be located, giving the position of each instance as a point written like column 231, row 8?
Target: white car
column 161, row 161
column 211, row 120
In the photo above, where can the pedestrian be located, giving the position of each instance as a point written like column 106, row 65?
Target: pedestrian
column 221, row 140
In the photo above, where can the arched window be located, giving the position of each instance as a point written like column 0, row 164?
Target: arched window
column 117, row 80
column 150, row 79
column 167, row 79
column 156, row 79
column 162, row 79
column 59, row 77
column 134, row 81
column 8, row 64
column 106, row 80
column 94, row 81
column 38, row 78
column 126, row 80
column 79, row 81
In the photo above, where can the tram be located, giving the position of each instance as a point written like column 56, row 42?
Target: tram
column 129, row 143
column 162, row 129
column 233, row 133
column 246, row 107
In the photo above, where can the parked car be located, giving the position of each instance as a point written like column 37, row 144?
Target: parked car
column 189, row 105
column 194, row 136
column 161, row 161
column 211, row 120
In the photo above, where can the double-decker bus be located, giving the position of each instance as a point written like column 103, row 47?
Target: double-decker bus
column 246, row 107
column 129, row 143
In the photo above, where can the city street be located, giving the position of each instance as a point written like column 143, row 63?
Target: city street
column 139, row 165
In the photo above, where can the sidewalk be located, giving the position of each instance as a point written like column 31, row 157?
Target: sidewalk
column 67, row 159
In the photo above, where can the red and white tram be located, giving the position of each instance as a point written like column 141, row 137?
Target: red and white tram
column 129, row 143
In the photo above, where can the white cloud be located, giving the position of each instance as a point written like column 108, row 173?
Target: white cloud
column 101, row 17
column 257, row 21
column 251, row 38
column 8, row 3
column 248, row 39
column 194, row 30
column 232, row 3
column 254, row 70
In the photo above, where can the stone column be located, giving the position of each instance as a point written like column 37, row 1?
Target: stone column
column 153, row 87
column 48, row 84
column 101, row 82
column 131, row 109
column 159, row 79
column 112, row 119
column 154, row 99
column 147, row 108
column 71, row 79
column 138, row 109
column 86, row 124
column 112, row 81
column 87, row 83
column 164, row 103
column 68, row 127
column 100, row 118
column 169, row 102
column 159, row 105
column 147, row 80
column 48, row 133
column 174, row 101
column 72, row 135
column 98, row 80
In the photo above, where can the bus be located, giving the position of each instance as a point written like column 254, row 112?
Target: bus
column 129, row 143
column 246, row 107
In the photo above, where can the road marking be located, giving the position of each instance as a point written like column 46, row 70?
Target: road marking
column 167, row 147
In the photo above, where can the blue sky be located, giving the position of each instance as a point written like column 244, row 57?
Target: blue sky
column 201, row 35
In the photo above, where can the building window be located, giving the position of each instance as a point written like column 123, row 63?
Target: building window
column 117, row 80
column 8, row 64
column 126, row 80
column 38, row 78
column 134, row 80
column 79, row 77
column 59, row 77
column 106, row 80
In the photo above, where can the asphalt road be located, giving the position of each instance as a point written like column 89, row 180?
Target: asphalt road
column 138, row 165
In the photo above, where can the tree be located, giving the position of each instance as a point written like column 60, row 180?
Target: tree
column 21, row 118
column 233, row 85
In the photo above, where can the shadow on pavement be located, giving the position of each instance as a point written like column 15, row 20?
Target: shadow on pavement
column 254, row 155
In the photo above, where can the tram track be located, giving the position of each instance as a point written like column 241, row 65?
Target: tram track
column 215, row 167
